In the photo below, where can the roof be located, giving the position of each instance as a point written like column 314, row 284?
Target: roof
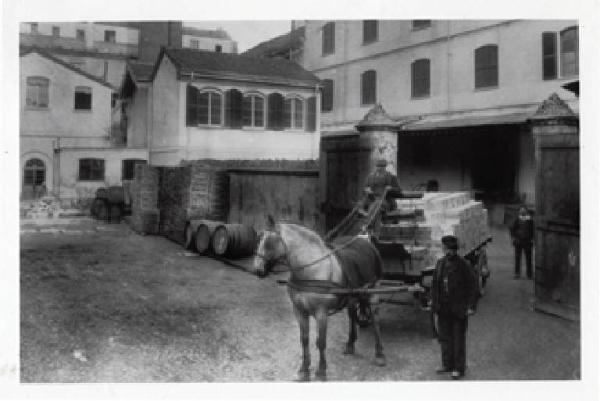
column 205, row 33
column 140, row 72
column 572, row 86
column 77, row 52
column 208, row 64
column 124, row 24
column 278, row 45
column 68, row 66
column 435, row 123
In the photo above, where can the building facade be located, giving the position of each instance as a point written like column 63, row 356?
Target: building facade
column 461, row 91
column 66, row 144
column 227, row 107
column 216, row 40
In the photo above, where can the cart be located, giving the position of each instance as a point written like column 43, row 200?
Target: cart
column 408, row 263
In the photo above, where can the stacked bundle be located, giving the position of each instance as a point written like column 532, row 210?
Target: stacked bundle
column 144, row 200
column 445, row 214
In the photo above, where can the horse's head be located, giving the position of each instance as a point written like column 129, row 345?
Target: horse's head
column 270, row 250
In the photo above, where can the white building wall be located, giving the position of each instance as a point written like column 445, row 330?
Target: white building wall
column 165, row 108
column 205, row 43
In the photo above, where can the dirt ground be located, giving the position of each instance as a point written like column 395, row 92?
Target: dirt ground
column 100, row 303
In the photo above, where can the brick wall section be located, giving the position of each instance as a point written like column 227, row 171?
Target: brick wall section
column 144, row 200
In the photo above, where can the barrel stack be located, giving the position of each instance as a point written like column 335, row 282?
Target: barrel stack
column 234, row 240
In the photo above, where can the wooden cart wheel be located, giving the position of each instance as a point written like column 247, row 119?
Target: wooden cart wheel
column 189, row 238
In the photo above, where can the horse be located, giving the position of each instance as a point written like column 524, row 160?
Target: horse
column 316, row 271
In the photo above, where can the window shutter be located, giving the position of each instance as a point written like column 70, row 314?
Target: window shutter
column 569, row 52
column 191, row 115
column 327, row 95
column 275, row 114
column 549, row 58
column 370, row 31
column 233, row 108
column 420, row 73
column 368, row 87
column 311, row 114
column 486, row 66
column 328, row 44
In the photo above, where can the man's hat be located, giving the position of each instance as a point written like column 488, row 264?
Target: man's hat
column 381, row 163
column 450, row 241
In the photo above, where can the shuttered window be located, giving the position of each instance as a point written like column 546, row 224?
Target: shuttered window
column 569, row 52
column 293, row 113
column 233, row 108
column 128, row 168
column 83, row 98
column 275, row 111
column 327, row 95
column 328, row 38
column 192, row 109
column 368, row 87
column 203, row 107
column 370, row 31
column 91, row 170
column 37, row 92
column 254, row 111
column 420, row 24
column 420, row 74
column 486, row 66
column 311, row 114
column 549, row 55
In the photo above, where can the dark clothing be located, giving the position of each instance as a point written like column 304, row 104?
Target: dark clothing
column 453, row 292
column 377, row 181
column 452, row 334
column 523, row 249
column 522, row 233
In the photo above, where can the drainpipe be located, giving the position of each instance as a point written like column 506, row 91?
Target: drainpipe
column 448, row 62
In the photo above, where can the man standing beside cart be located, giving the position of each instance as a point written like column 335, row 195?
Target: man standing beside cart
column 453, row 297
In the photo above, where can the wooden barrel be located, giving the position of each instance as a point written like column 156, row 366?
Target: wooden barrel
column 189, row 237
column 204, row 234
column 115, row 194
column 234, row 240
column 101, row 193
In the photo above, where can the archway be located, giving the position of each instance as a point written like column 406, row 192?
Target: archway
column 34, row 179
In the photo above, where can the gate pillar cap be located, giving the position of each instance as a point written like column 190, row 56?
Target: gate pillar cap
column 377, row 119
column 553, row 108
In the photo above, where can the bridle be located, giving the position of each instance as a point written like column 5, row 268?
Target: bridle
column 285, row 261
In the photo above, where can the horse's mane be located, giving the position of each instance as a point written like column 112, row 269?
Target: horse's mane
column 306, row 233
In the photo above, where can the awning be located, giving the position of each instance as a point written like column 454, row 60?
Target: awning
column 437, row 123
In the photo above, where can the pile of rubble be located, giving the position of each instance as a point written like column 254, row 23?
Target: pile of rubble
column 46, row 207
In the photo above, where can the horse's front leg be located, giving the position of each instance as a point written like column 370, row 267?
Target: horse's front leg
column 379, row 357
column 352, row 308
column 321, row 318
column 303, row 322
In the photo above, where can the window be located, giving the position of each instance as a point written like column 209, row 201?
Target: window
column 110, row 36
column 368, row 87
column 80, row 34
column 128, row 168
column 35, row 172
column 549, row 55
column 253, row 111
column 370, row 31
column 55, row 31
column 91, row 170
column 34, row 27
column 418, row 24
column 203, row 107
column 37, row 92
column 327, row 95
column 194, row 44
column 486, row 66
column 328, row 38
column 293, row 113
column 420, row 78
column 218, row 48
column 569, row 52
column 83, row 98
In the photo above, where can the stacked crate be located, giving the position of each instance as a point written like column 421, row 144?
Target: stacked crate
column 445, row 213
column 144, row 200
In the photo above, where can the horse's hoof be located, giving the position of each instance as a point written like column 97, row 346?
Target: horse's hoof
column 380, row 361
column 349, row 350
column 321, row 375
column 303, row 376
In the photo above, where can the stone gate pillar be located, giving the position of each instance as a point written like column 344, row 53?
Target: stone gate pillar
column 379, row 134
column 556, row 133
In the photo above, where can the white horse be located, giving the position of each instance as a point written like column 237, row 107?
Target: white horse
column 317, row 276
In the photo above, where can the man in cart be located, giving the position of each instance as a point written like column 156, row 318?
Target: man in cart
column 376, row 184
column 453, row 297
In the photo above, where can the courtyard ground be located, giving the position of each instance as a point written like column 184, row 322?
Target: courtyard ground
column 100, row 303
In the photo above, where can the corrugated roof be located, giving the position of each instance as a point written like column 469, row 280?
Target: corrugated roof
column 66, row 65
column 238, row 67
column 140, row 72
column 278, row 45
